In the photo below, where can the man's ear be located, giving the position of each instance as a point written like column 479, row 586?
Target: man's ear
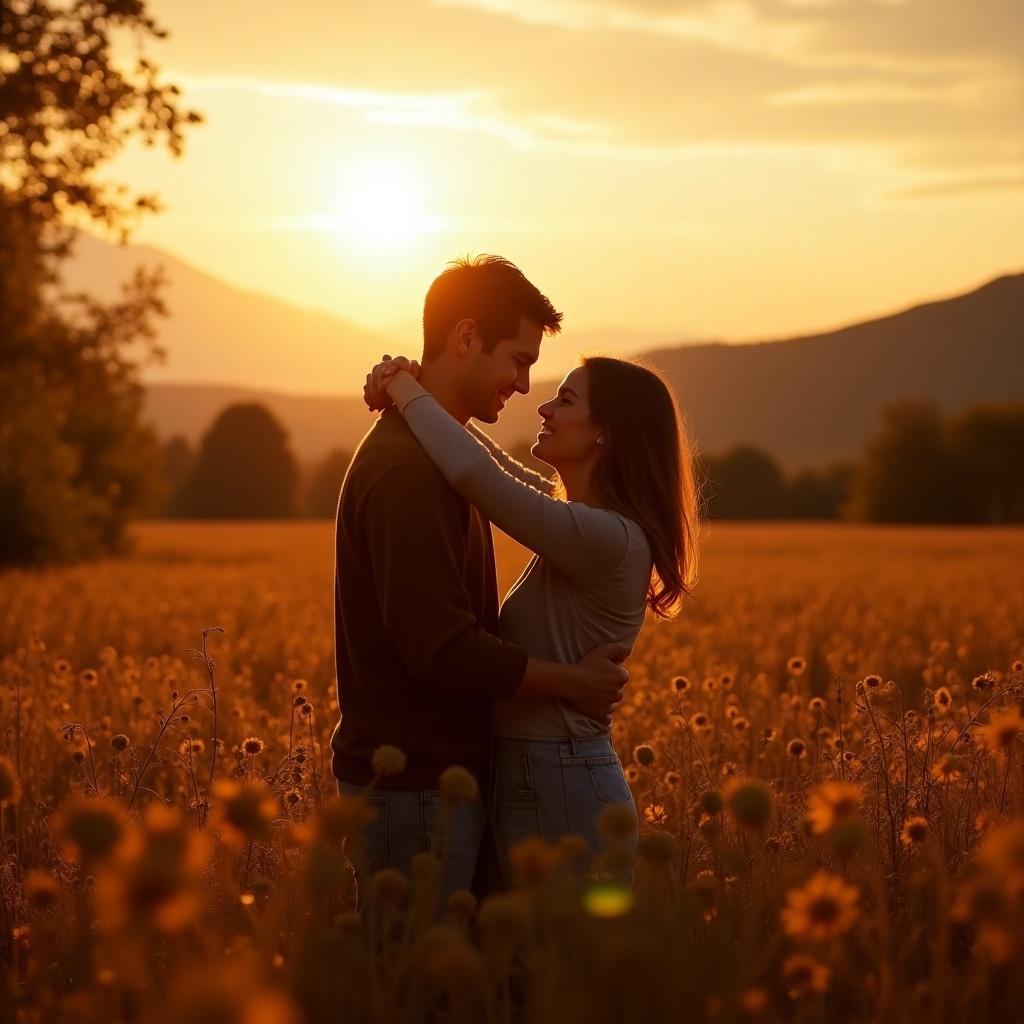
column 465, row 332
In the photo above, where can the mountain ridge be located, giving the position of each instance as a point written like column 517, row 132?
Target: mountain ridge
column 825, row 390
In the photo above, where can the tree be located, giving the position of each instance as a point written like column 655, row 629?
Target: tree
column 909, row 472
column 321, row 498
column 818, row 493
column 988, row 442
column 177, row 460
column 75, row 459
column 245, row 469
column 743, row 483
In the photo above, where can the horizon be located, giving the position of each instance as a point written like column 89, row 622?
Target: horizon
column 545, row 365
column 821, row 160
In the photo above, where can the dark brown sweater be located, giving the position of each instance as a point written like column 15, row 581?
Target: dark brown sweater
column 415, row 612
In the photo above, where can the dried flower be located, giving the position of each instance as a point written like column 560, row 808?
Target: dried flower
column 388, row 761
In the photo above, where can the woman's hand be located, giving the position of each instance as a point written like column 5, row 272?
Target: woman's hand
column 375, row 391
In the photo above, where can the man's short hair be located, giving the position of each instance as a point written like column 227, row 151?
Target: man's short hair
column 489, row 290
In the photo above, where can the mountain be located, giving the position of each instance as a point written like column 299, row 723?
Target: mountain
column 217, row 332
column 808, row 400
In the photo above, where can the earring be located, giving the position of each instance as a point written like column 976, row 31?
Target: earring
column 601, row 440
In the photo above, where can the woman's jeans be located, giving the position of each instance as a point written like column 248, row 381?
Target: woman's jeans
column 552, row 788
column 410, row 822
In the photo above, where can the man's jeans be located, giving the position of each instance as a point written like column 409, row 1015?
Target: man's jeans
column 414, row 821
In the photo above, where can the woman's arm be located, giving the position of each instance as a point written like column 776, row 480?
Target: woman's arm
column 512, row 465
column 585, row 543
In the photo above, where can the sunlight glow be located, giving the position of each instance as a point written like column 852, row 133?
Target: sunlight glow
column 381, row 204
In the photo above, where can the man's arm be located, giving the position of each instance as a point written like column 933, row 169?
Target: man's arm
column 412, row 521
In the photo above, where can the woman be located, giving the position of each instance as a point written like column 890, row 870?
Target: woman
column 613, row 535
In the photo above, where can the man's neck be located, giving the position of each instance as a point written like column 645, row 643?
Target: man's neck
column 435, row 379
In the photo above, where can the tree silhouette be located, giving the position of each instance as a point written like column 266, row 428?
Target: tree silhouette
column 75, row 460
column 177, row 460
column 245, row 469
column 321, row 498
column 818, row 493
column 743, row 483
column 909, row 472
column 988, row 442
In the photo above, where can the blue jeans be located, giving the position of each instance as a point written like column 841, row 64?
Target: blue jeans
column 550, row 789
column 410, row 822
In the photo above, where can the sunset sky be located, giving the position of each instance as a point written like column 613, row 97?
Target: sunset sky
column 693, row 169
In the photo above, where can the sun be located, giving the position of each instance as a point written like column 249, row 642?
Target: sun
column 382, row 204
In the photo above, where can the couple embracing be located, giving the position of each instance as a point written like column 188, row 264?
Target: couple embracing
column 521, row 697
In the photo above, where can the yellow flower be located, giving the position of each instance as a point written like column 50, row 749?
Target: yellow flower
column 948, row 768
column 243, row 811
column 823, row 909
column 832, row 803
column 803, row 975
column 91, row 830
column 1002, row 729
column 41, row 888
column 1002, row 852
column 655, row 814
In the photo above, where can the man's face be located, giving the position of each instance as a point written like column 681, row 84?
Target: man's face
column 493, row 377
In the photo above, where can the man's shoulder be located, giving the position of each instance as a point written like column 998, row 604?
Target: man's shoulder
column 390, row 458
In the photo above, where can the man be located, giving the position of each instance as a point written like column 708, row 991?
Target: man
column 416, row 602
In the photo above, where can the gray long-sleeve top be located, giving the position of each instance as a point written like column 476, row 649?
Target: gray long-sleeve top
column 585, row 586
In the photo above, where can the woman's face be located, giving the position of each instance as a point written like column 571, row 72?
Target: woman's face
column 567, row 434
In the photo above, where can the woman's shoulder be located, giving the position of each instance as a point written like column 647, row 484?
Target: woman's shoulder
column 635, row 548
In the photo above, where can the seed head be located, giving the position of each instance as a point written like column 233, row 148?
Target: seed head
column 915, row 831
column 644, row 755
column 750, row 802
column 458, row 785
column 388, row 760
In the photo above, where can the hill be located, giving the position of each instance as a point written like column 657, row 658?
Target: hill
column 809, row 400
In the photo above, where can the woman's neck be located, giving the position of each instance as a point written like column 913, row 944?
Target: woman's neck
column 578, row 481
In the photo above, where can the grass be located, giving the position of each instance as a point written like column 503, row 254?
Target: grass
column 825, row 749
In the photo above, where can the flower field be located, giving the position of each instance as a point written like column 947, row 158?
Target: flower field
column 825, row 748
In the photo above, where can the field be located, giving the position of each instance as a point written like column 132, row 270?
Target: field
column 825, row 748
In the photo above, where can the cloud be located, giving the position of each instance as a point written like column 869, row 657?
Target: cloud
column 1009, row 180
column 921, row 81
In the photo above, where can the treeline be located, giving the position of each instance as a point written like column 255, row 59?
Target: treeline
column 920, row 467
column 244, row 468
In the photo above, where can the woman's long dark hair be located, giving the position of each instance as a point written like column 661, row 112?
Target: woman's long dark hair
column 646, row 472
